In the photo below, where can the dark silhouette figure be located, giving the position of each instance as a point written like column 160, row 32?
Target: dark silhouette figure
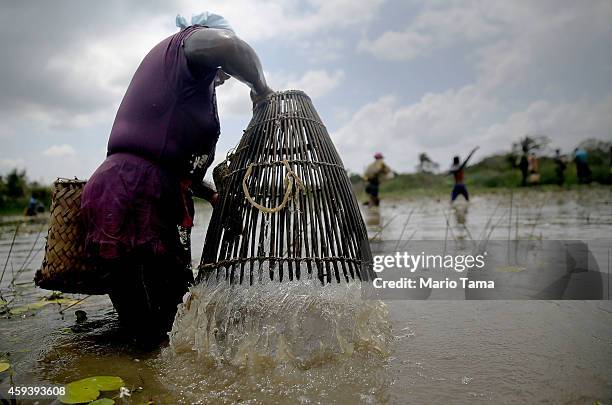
column 524, row 167
column 426, row 165
column 610, row 168
column 375, row 173
column 534, row 169
column 560, row 166
column 35, row 206
column 524, row 147
column 457, row 171
column 583, row 171
column 31, row 209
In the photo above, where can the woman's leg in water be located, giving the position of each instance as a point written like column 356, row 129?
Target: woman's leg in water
column 146, row 292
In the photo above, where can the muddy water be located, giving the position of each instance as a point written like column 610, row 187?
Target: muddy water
column 435, row 352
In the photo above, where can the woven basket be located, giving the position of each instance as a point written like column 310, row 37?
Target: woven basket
column 65, row 267
column 287, row 210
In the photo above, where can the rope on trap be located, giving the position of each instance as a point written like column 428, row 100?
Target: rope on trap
column 291, row 180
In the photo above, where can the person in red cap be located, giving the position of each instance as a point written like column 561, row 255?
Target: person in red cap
column 375, row 173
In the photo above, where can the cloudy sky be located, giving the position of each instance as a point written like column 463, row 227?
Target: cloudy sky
column 399, row 77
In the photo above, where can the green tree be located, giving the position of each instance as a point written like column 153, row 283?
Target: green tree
column 16, row 184
column 426, row 165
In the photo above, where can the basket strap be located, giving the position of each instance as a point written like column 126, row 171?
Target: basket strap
column 291, row 180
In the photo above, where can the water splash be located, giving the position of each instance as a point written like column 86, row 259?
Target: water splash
column 300, row 323
column 296, row 340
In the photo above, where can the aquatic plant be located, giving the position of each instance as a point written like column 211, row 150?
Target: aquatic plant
column 88, row 389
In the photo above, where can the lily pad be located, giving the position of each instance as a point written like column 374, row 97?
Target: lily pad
column 4, row 366
column 78, row 393
column 510, row 269
column 102, row 401
column 39, row 304
column 104, row 383
column 88, row 389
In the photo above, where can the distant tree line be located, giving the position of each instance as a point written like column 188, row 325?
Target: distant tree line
column 16, row 190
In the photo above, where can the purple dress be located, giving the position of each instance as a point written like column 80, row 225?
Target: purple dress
column 168, row 115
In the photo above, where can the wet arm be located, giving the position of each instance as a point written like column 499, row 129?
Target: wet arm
column 204, row 190
column 217, row 48
column 200, row 187
column 467, row 159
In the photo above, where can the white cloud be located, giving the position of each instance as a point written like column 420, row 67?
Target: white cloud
column 10, row 163
column 436, row 124
column 233, row 97
column 507, row 44
column 567, row 123
column 60, row 151
column 453, row 122
column 317, row 83
column 511, row 41
column 288, row 19
column 515, row 48
column 97, row 74
column 394, row 45
column 320, row 51
column 438, row 25
column 540, row 40
column 101, row 70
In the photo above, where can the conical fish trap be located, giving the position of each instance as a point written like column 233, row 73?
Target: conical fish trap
column 287, row 210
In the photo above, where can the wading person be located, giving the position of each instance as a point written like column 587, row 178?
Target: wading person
column 160, row 145
column 374, row 174
column 34, row 206
column 534, row 169
column 523, row 165
column 560, row 166
column 457, row 170
column 583, row 171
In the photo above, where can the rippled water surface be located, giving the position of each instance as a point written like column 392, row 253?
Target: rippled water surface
column 299, row 343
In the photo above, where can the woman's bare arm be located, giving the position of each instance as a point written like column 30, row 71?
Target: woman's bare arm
column 206, row 191
column 218, row 48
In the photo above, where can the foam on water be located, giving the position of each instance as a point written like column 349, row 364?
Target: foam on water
column 274, row 341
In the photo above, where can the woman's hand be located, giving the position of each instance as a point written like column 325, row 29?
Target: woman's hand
column 214, row 200
column 206, row 191
column 256, row 98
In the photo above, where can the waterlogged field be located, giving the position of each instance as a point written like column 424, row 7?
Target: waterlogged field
column 299, row 343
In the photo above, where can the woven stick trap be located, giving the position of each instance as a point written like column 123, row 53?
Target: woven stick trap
column 287, row 210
